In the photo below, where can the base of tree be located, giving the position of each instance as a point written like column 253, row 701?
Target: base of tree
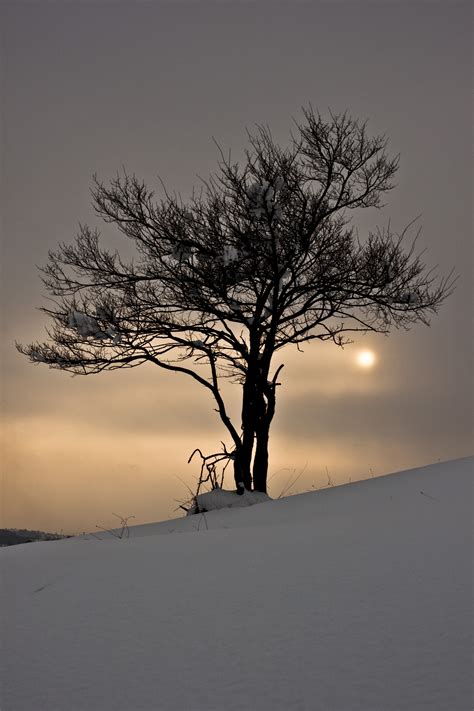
column 224, row 499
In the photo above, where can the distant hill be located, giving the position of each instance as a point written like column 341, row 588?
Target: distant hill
column 14, row 536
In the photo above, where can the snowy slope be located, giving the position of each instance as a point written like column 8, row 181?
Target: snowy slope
column 353, row 598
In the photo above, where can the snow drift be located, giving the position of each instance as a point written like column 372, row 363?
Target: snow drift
column 355, row 598
column 223, row 499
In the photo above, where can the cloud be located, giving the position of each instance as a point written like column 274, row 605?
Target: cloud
column 398, row 414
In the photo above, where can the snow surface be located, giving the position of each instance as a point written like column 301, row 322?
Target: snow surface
column 355, row 598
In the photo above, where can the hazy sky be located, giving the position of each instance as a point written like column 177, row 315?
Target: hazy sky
column 90, row 86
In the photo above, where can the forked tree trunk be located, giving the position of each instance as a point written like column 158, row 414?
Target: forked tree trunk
column 265, row 413
column 243, row 461
column 258, row 408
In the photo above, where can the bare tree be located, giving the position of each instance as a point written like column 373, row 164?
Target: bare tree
column 262, row 257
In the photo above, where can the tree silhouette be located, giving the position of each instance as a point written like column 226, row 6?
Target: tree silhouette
column 263, row 256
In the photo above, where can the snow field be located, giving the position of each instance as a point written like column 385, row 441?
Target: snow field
column 352, row 598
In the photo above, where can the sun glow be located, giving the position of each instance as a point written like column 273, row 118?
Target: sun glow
column 366, row 359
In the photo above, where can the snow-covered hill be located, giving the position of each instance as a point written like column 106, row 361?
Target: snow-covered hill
column 353, row 598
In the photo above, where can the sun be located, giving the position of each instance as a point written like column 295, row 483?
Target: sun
column 366, row 359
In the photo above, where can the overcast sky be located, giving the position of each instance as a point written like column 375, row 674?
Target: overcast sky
column 88, row 87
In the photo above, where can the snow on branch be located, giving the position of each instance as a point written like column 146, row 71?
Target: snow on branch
column 261, row 199
column 88, row 326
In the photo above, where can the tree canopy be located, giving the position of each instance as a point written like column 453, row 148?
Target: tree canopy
column 262, row 256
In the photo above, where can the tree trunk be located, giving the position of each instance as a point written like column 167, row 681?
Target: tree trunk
column 260, row 462
column 242, row 474
column 249, row 423
column 265, row 411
